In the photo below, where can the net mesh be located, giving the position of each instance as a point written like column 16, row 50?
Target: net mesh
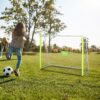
column 63, row 52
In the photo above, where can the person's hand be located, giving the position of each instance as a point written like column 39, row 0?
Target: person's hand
column 24, row 38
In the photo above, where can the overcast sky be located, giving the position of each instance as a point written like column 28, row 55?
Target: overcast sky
column 82, row 17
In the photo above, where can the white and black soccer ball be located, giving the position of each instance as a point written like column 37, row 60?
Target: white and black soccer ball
column 7, row 71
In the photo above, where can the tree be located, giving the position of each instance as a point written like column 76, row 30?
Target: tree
column 93, row 48
column 51, row 24
column 38, row 15
column 20, row 10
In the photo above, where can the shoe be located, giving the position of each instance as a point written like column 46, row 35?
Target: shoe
column 17, row 73
column 8, row 56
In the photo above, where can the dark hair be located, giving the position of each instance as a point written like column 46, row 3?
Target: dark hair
column 4, row 41
column 19, row 29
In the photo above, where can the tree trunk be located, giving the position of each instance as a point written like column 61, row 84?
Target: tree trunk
column 33, row 33
column 34, row 28
column 49, row 48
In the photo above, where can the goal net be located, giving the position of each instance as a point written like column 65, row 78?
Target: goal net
column 65, row 54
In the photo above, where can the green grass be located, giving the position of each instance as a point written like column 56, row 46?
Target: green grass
column 36, row 84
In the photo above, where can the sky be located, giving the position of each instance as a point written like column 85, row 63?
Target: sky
column 82, row 17
column 3, row 4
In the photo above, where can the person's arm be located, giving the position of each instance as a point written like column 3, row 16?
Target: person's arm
column 26, row 35
column 7, row 41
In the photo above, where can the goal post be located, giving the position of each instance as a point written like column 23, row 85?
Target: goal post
column 82, row 58
column 82, row 62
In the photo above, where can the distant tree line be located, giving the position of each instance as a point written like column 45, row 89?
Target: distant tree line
column 57, row 49
column 94, row 48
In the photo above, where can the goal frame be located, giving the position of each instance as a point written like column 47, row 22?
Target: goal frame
column 82, row 54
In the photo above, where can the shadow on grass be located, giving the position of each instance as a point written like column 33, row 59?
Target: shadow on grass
column 6, row 59
column 94, row 74
column 30, row 53
column 90, row 86
column 2, row 79
column 69, row 73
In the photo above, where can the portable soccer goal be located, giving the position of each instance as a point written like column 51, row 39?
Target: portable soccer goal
column 67, row 52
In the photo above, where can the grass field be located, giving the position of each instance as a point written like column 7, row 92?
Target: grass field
column 36, row 84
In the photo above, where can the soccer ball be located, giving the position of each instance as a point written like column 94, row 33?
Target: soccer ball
column 7, row 71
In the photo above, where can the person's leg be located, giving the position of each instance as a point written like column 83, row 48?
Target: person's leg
column 9, row 52
column 6, row 48
column 19, row 57
column 1, row 50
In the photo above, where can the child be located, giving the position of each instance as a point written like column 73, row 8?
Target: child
column 17, row 45
column 3, row 45
column 1, row 50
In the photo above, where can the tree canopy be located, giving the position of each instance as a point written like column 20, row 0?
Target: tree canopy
column 38, row 16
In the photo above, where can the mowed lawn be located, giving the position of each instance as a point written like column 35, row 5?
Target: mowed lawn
column 36, row 84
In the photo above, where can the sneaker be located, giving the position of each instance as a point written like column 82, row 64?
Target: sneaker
column 8, row 56
column 17, row 73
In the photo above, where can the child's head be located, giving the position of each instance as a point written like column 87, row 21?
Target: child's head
column 5, row 40
column 19, row 29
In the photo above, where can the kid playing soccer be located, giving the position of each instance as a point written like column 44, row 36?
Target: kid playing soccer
column 17, row 45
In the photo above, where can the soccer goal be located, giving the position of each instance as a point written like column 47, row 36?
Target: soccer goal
column 64, row 52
